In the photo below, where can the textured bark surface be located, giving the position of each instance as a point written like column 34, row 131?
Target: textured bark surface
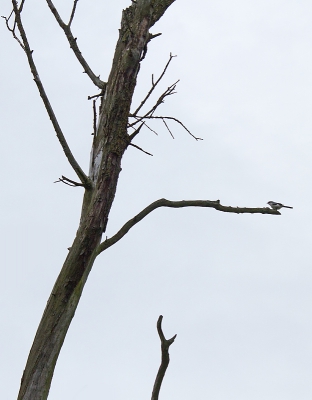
column 109, row 145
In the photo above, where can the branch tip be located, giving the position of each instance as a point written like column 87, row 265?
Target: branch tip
column 165, row 344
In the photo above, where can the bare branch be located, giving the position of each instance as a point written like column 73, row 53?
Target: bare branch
column 21, row 6
column 73, row 44
column 152, row 130
column 82, row 176
column 94, row 117
column 168, row 92
column 180, row 204
column 72, row 13
column 12, row 30
column 95, row 96
column 139, row 148
column 153, row 84
column 133, row 135
column 68, row 181
column 165, row 344
column 138, row 129
column 172, row 118
column 168, row 128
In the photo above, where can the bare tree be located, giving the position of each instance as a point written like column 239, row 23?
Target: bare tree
column 115, row 127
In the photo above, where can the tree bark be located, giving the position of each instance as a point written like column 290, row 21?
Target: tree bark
column 109, row 145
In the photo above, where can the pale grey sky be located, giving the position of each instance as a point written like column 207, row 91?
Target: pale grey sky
column 235, row 288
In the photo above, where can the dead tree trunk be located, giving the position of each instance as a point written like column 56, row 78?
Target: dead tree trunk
column 109, row 145
column 111, row 139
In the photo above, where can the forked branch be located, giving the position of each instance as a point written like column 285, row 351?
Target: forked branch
column 25, row 45
column 180, row 204
column 163, row 118
column 168, row 92
column 165, row 344
column 73, row 43
column 153, row 85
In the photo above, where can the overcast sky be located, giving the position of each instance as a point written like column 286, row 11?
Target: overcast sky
column 235, row 288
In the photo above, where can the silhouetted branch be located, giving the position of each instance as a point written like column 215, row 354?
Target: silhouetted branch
column 165, row 344
column 133, row 135
column 168, row 92
column 153, row 84
column 12, row 30
column 94, row 117
column 139, row 128
column 25, row 45
column 139, row 148
column 68, row 181
column 73, row 43
column 180, row 204
column 173, row 119
column 72, row 13
column 168, row 128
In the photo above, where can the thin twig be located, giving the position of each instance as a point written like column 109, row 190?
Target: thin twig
column 94, row 117
column 176, row 120
column 168, row 92
column 82, row 176
column 95, row 96
column 72, row 13
column 133, row 135
column 180, row 204
column 139, row 148
column 168, row 128
column 152, row 130
column 12, row 30
column 165, row 344
column 153, row 84
column 68, row 181
column 145, row 124
column 73, row 44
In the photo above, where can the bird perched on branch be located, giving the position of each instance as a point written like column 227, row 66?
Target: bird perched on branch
column 277, row 206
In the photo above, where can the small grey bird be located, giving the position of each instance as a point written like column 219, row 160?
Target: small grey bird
column 277, row 206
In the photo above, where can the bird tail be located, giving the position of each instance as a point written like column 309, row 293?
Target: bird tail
column 287, row 207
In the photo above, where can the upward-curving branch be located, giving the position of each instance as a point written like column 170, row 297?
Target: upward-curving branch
column 179, row 204
column 165, row 344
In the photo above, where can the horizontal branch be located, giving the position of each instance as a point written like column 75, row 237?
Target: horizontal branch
column 73, row 44
column 180, row 204
column 163, row 118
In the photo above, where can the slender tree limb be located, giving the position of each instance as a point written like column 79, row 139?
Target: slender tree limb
column 168, row 92
column 153, row 84
column 180, row 204
column 133, row 135
column 68, row 181
column 138, row 130
column 173, row 119
column 72, row 13
column 139, row 148
column 12, row 30
column 165, row 123
column 95, row 96
column 73, row 43
column 82, row 176
column 94, row 117
column 165, row 344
